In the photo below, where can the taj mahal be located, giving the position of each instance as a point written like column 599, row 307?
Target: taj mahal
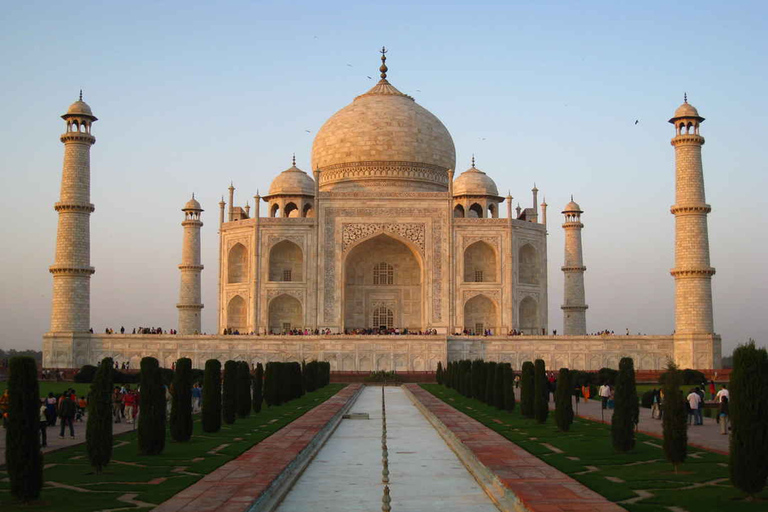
column 383, row 257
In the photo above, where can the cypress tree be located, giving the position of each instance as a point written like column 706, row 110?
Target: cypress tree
column 229, row 395
column 439, row 373
column 98, row 430
column 269, row 385
column 540, row 392
column 527, row 389
column 675, row 417
column 152, row 412
column 181, row 406
column 476, row 382
column 509, row 388
column 24, row 461
column 627, row 408
column 243, row 389
column 212, row 396
column 490, row 392
column 498, row 384
column 748, row 406
column 564, row 401
column 297, row 381
column 284, row 382
column 258, row 383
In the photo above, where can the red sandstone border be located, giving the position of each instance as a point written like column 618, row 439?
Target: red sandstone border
column 238, row 484
column 535, row 484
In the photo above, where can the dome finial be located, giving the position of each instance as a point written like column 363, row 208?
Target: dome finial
column 294, row 159
column 571, row 197
column 383, row 67
column 193, row 195
column 473, row 160
column 685, row 97
column 81, row 95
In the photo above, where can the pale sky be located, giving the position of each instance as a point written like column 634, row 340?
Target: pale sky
column 191, row 95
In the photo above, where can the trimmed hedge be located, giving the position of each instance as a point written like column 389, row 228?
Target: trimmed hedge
column 181, row 404
column 243, row 389
column 675, row 417
column 98, row 430
column 151, row 439
column 229, row 396
column 564, row 401
column 212, row 396
column 627, row 411
column 258, row 384
column 540, row 392
column 527, row 389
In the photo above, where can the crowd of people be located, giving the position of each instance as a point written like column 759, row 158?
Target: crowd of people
column 140, row 330
column 695, row 402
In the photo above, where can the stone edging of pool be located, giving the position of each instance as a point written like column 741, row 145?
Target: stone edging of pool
column 257, row 480
column 513, row 478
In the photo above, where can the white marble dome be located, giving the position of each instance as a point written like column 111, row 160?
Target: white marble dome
column 386, row 137
column 79, row 108
column 292, row 182
column 474, row 182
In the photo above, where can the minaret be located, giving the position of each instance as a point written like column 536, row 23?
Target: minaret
column 692, row 272
column 544, row 212
column 574, row 305
column 189, row 305
column 72, row 270
column 231, row 202
column 222, row 204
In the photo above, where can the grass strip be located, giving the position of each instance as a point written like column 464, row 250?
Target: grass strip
column 71, row 485
column 702, row 485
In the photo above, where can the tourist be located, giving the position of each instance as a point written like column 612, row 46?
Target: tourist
column 129, row 400
column 723, row 415
column 585, row 392
column 67, row 414
column 694, row 400
column 197, row 397
column 5, row 401
column 723, row 393
column 117, row 403
column 655, row 409
column 50, row 406
column 605, row 394
column 712, row 390
column 43, row 423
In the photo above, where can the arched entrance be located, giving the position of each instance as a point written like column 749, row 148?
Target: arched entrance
column 382, row 275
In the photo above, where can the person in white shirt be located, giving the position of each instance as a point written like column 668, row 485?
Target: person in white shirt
column 693, row 401
column 605, row 394
column 722, row 393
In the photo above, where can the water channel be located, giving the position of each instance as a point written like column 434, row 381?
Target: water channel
column 425, row 475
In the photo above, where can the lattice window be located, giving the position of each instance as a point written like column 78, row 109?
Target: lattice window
column 286, row 326
column 287, row 275
column 479, row 328
column 478, row 276
column 383, row 273
column 383, row 317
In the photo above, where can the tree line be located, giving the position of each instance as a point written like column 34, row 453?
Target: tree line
column 240, row 392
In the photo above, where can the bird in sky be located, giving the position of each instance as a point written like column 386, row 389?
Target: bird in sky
column 637, row 121
column 369, row 78
column 350, row 65
column 307, row 131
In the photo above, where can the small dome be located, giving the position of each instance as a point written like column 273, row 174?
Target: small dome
column 686, row 110
column 292, row 182
column 192, row 204
column 572, row 207
column 79, row 108
column 474, row 182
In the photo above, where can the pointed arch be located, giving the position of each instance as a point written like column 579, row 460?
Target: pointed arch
column 286, row 262
column 529, row 316
column 480, row 315
column 237, row 264
column 528, row 260
column 480, row 263
column 458, row 211
column 285, row 313
column 308, row 211
column 475, row 211
column 236, row 314
column 274, row 210
column 291, row 210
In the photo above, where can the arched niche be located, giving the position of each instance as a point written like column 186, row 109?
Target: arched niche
column 402, row 294
column 285, row 313
column 274, row 210
column 529, row 264
column 237, row 266
column 458, row 211
column 529, row 316
column 286, row 262
column 480, row 263
column 480, row 314
column 236, row 314
column 308, row 211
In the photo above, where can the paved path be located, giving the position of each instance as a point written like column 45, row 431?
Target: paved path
column 54, row 443
column 234, row 486
column 539, row 486
column 706, row 436
column 425, row 475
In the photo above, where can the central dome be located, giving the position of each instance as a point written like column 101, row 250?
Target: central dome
column 383, row 139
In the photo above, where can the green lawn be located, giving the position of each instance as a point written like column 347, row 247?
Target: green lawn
column 701, row 486
column 58, row 387
column 154, row 479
